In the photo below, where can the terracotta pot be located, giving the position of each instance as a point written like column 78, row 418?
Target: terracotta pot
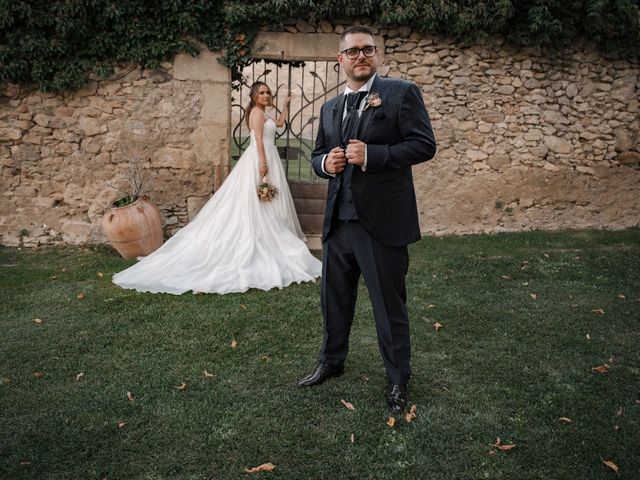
column 134, row 230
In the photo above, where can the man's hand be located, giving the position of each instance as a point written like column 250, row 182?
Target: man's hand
column 335, row 161
column 355, row 152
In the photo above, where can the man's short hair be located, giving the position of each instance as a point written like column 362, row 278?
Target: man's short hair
column 355, row 29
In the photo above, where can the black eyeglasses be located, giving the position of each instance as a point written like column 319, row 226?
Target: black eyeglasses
column 353, row 53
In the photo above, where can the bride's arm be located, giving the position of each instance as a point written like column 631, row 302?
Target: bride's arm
column 283, row 114
column 256, row 122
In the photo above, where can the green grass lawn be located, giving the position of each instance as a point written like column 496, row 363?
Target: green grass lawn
column 504, row 364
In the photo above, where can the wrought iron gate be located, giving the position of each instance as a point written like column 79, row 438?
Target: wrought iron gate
column 312, row 84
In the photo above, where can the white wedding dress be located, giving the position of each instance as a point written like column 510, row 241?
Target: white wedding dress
column 236, row 241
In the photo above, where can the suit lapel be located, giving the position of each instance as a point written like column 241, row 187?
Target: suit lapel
column 338, row 109
column 366, row 115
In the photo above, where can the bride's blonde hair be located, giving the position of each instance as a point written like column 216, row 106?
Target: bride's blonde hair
column 252, row 95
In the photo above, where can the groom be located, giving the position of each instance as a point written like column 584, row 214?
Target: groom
column 368, row 139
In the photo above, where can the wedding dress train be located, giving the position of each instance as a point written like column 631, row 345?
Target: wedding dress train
column 236, row 241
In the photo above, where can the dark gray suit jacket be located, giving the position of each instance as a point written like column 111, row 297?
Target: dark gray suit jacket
column 398, row 134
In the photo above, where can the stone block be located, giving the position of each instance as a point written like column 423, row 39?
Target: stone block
column 557, row 144
column 216, row 107
column 629, row 158
column 301, row 46
column 498, row 161
column 431, row 59
column 10, row 134
column 169, row 157
column 211, row 144
column 194, row 204
column 587, row 170
column 10, row 240
column 204, row 68
column 476, row 155
column 91, row 126
column 34, row 138
column 43, row 202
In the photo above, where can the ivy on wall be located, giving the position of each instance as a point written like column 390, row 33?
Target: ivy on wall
column 59, row 44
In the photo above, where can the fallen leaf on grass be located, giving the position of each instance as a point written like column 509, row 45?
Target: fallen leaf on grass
column 352, row 438
column 38, row 321
column 616, row 428
column 431, row 305
column 348, row 405
column 244, row 307
column 574, row 305
column 25, row 462
column 588, row 337
column 534, row 296
column 54, row 277
column 182, row 387
column 121, row 424
column 601, row 369
column 391, row 421
column 79, row 376
column 409, row 417
column 437, row 326
column 365, row 378
column 505, row 277
column 80, row 296
column 620, row 412
column 546, row 255
column 38, row 374
column 598, row 310
column 612, row 466
column 566, row 420
column 207, row 374
column 525, row 284
column 266, row 358
column 100, row 274
column 130, row 397
column 265, row 467
column 501, row 446
column 621, row 296
column 234, row 343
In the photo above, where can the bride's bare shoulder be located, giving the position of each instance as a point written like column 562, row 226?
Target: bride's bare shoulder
column 256, row 118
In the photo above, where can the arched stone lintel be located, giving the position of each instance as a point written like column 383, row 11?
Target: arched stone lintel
column 301, row 46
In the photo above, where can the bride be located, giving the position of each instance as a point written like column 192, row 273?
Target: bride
column 236, row 241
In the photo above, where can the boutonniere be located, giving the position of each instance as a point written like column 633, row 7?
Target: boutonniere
column 373, row 100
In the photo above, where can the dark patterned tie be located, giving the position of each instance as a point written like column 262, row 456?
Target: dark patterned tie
column 350, row 121
column 346, row 209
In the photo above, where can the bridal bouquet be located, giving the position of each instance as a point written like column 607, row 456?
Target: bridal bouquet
column 266, row 191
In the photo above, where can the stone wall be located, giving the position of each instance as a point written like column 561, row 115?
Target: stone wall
column 528, row 138
column 65, row 158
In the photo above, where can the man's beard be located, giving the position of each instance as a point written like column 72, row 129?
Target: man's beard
column 360, row 77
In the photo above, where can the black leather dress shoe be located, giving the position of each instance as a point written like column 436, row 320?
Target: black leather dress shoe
column 320, row 374
column 397, row 398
